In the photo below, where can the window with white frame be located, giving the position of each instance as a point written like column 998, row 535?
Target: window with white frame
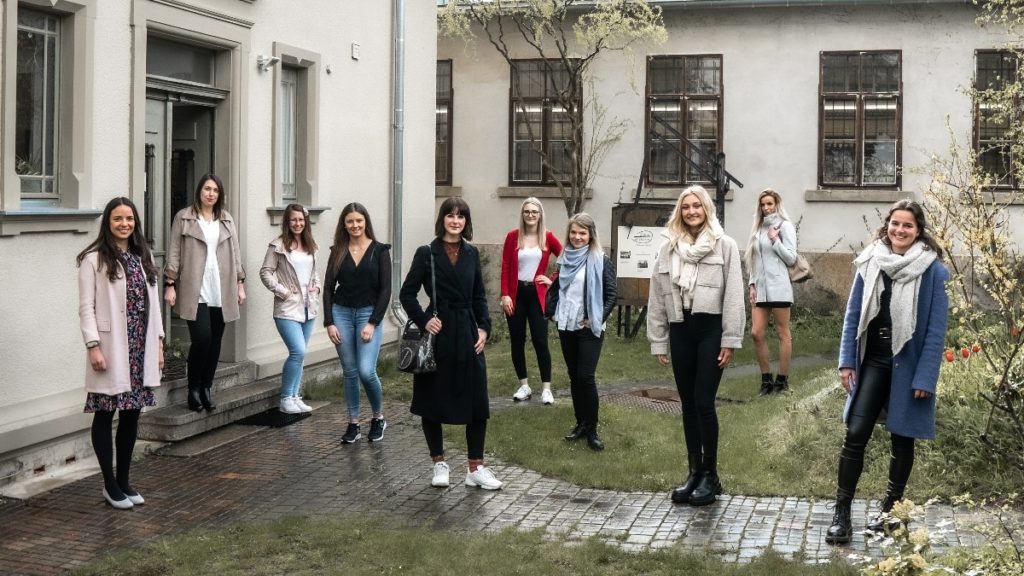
column 296, row 128
column 861, row 114
column 994, row 115
column 543, row 101
column 286, row 137
column 36, row 119
column 684, row 100
column 443, row 124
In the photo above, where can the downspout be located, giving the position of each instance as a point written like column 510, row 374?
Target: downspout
column 397, row 152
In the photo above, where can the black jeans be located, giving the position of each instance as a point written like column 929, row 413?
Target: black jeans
column 476, row 433
column 206, row 332
column 527, row 311
column 581, row 350
column 695, row 344
column 874, row 381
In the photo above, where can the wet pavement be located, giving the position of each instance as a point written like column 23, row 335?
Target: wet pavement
column 304, row 470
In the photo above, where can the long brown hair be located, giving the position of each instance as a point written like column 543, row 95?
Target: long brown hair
column 924, row 233
column 105, row 246
column 341, row 237
column 305, row 237
column 197, row 201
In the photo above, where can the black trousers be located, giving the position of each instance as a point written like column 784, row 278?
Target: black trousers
column 476, row 433
column 695, row 344
column 581, row 350
column 528, row 312
column 874, row 381
column 206, row 332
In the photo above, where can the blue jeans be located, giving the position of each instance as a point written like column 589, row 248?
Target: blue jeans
column 358, row 358
column 296, row 337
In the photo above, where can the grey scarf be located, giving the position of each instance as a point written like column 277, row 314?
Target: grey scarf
column 905, row 271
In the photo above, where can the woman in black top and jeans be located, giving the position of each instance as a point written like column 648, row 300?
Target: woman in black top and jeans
column 357, row 290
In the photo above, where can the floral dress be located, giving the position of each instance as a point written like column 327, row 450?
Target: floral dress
column 138, row 319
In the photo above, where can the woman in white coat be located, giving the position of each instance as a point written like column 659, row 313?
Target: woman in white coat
column 770, row 252
column 119, row 314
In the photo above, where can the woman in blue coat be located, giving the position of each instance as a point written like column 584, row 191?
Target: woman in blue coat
column 889, row 357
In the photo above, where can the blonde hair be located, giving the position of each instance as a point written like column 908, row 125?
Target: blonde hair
column 755, row 228
column 675, row 223
column 542, row 231
column 584, row 220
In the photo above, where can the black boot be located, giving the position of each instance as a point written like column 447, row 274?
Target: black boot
column 883, row 520
column 841, row 529
column 781, row 384
column 767, row 384
column 707, row 490
column 579, row 431
column 681, row 495
column 195, row 404
column 593, row 440
column 206, row 398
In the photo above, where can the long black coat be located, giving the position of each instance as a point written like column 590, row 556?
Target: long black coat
column 457, row 392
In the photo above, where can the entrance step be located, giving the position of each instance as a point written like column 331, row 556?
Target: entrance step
column 228, row 375
column 176, row 422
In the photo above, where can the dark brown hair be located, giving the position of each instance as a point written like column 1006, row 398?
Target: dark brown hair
column 454, row 205
column 197, row 202
column 341, row 237
column 287, row 237
column 924, row 234
column 105, row 245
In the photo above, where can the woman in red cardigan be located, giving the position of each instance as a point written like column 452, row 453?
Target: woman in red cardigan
column 524, row 284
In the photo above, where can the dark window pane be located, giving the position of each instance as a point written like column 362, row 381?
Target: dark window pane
column 840, row 119
column 665, row 163
column 994, row 160
column 839, row 72
column 879, row 119
column 528, row 79
column 180, row 61
column 702, row 119
column 666, row 75
column 36, row 88
column 666, row 113
column 994, row 121
column 701, row 154
column 444, row 80
column 881, row 72
column 703, row 75
column 839, row 163
column 526, row 163
column 880, row 162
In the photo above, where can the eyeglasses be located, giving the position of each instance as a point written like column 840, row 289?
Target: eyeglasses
column 531, row 212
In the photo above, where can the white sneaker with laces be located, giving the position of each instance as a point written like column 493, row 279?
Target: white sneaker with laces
column 547, row 397
column 288, row 405
column 483, row 478
column 302, row 406
column 440, row 479
column 524, row 393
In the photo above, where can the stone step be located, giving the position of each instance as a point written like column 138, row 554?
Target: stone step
column 229, row 375
column 176, row 422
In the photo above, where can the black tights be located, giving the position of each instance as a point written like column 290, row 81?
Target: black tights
column 127, row 432
column 476, row 432
column 695, row 344
column 873, row 383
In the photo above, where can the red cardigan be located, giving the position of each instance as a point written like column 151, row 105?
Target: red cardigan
column 510, row 265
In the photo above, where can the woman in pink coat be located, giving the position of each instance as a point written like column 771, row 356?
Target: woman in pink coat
column 119, row 311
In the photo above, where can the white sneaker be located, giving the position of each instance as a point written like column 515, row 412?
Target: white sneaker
column 483, row 478
column 288, row 405
column 547, row 397
column 302, row 406
column 440, row 479
column 524, row 393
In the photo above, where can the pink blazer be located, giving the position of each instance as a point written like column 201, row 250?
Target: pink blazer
column 102, row 313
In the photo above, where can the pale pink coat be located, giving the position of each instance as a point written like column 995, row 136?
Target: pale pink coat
column 102, row 311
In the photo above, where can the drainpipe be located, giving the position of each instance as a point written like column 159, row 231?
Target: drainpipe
column 397, row 152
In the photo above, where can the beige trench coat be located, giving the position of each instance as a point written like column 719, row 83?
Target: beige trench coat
column 102, row 313
column 279, row 276
column 186, row 259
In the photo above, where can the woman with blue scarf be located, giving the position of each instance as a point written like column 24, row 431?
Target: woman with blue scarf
column 579, row 301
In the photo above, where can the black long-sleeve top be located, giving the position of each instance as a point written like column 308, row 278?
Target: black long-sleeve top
column 352, row 286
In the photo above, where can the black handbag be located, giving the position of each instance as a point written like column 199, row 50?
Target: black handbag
column 416, row 347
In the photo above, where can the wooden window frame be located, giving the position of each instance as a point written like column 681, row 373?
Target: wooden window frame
column 1011, row 182
column 448, row 103
column 546, row 101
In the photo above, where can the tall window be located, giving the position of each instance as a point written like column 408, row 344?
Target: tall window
column 443, row 121
column 286, row 139
column 542, row 101
column 36, row 117
column 684, row 97
column 861, row 114
column 995, row 70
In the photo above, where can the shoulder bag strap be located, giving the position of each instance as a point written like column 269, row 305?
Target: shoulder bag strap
column 433, row 282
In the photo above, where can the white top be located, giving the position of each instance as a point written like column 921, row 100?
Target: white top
column 302, row 262
column 574, row 301
column 209, row 290
column 529, row 261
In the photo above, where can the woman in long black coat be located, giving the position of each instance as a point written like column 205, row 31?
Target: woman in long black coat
column 457, row 392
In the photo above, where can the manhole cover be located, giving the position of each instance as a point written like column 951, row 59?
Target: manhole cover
column 661, row 394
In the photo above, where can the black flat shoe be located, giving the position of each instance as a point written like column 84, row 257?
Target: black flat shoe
column 594, row 441
column 206, row 398
column 195, row 404
column 576, row 433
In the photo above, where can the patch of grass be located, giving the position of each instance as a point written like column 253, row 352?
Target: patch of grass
column 357, row 547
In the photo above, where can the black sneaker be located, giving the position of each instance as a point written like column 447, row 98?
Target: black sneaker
column 351, row 435
column 377, row 426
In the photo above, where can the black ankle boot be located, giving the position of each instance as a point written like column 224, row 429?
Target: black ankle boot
column 841, row 529
column 883, row 520
column 593, row 440
column 707, row 490
column 195, row 404
column 578, row 431
column 681, row 495
column 206, row 398
column 767, row 384
column 781, row 384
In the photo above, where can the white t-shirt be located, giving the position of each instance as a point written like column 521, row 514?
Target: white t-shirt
column 529, row 261
column 209, row 290
column 302, row 262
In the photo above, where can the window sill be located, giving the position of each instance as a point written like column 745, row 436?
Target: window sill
column 535, row 191
column 277, row 213
column 1005, row 196
column 856, row 195
column 672, row 193
column 444, row 191
column 34, row 220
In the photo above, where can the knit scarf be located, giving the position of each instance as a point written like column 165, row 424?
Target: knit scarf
column 686, row 255
column 905, row 271
column 570, row 263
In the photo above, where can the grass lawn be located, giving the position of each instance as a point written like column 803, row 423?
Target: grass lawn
column 354, row 547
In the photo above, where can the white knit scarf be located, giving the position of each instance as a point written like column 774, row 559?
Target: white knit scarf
column 685, row 257
column 905, row 271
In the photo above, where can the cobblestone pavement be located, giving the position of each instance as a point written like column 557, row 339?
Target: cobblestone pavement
column 303, row 470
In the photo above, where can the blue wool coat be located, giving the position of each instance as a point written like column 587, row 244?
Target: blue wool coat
column 916, row 366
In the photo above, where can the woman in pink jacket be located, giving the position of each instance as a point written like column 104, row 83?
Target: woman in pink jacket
column 119, row 310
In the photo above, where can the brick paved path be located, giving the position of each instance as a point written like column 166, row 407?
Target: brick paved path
column 303, row 470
